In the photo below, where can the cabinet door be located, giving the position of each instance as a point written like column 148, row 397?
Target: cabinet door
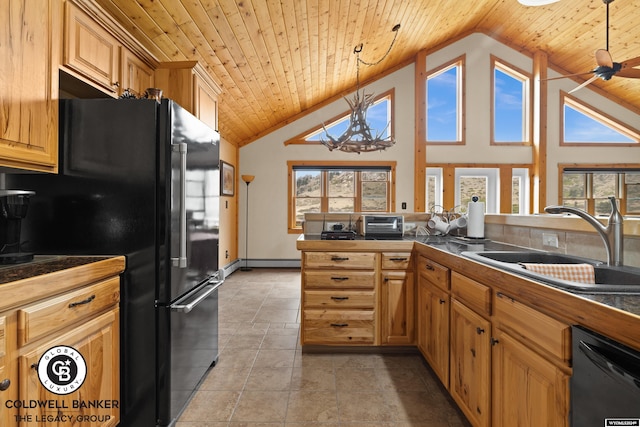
column 206, row 103
column 97, row 342
column 8, row 370
column 397, row 317
column 470, row 384
column 136, row 75
column 528, row 389
column 29, row 84
column 433, row 328
column 91, row 51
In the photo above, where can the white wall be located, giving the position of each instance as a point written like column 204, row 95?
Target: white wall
column 267, row 157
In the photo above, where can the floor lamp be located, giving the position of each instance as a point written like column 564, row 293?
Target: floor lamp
column 247, row 179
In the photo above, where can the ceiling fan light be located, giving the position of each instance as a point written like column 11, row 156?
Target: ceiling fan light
column 537, row 2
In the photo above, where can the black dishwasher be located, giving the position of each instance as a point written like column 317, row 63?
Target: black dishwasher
column 605, row 385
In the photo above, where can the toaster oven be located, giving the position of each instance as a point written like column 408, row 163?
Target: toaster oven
column 381, row 226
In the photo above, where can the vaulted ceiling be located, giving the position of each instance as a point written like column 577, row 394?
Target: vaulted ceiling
column 277, row 59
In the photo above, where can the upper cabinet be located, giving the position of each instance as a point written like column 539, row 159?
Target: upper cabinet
column 187, row 83
column 30, row 48
column 94, row 55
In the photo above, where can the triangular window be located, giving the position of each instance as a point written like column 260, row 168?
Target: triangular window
column 586, row 125
column 379, row 118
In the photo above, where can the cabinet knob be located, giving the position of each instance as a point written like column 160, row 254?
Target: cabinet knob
column 494, row 341
column 429, row 267
column 4, row 384
column 442, row 301
column 479, row 330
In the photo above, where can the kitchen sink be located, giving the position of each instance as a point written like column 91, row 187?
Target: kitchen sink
column 609, row 279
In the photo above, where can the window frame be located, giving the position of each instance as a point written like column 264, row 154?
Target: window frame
column 302, row 137
column 292, row 228
column 599, row 116
column 621, row 188
column 527, row 101
column 459, row 62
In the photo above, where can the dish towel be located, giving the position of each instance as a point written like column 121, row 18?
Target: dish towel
column 582, row 273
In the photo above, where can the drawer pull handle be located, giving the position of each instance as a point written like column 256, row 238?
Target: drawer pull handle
column 4, row 384
column 83, row 302
column 397, row 259
column 340, row 325
column 479, row 330
column 339, row 298
column 429, row 267
column 339, row 258
column 339, row 279
column 501, row 295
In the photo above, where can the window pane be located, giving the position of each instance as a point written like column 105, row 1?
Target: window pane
column 578, row 127
column 574, row 185
column 308, row 184
column 341, row 204
column 341, row 183
column 473, row 186
column 303, row 206
column 431, row 192
column 604, row 185
column 603, row 206
column 374, row 176
column 515, row 194
column 509, row 108
column 580, row 204
column 632, row 191
column 374, row 196
column 442, row 105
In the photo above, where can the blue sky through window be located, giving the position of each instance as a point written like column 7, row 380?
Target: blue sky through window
column 508, row 113
column 578, row 127
column 378, row 117
column 442, row 105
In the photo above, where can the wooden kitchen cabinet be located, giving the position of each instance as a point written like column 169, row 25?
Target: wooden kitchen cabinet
column 397, row 299
column 29, row 84
column 91, row 52
column 136, row 76
column 187, row 83
column 433, row 308
column 82, row 317
column 339, row 298
column 531, row 372
column 470, row 358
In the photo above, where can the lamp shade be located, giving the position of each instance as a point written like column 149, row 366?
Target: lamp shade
column 248, row 178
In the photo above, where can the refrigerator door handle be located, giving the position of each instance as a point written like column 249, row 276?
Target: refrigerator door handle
column 181, row 260
column 187, row 306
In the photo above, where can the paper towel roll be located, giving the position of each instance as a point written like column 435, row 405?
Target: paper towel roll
column 475, row 221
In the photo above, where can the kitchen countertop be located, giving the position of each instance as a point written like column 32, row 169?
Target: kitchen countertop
column 43, row 264
column 455, row 246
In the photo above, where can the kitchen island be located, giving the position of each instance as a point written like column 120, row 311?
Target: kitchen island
column 50, row 308
column 499, row 342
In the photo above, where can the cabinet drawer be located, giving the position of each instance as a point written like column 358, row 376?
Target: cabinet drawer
column 396, row 260
column 536, row 329
column 339, row 299
column 475, row 295
column 434, row 272
column 40, row 319
column 334, row 260
column 338, row 327
column 339, row 279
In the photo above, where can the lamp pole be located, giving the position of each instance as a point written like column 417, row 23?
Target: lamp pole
column 247, row 179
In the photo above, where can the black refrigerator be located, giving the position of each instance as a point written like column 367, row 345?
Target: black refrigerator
column 141, row 179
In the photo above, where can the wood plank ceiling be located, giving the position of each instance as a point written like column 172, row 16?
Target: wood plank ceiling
column 277, row 59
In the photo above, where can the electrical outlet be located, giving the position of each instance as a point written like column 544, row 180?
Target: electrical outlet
column 550, row 240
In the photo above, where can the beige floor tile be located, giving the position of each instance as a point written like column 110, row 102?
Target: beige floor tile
column 269, row 379
column 261, row 406
column 280, row 342
column 226, row 378
column 362, row 407
column 313, row 379
column 209, row 406
column 356, row 379
column 274, row 358
column 312, row 406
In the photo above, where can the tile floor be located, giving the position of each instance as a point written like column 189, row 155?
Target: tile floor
column 264, row 379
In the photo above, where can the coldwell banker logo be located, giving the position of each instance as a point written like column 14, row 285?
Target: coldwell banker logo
column 62, row 370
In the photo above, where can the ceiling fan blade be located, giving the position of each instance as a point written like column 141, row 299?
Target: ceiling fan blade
column 603, row 58
column 584, row 84
column 566, row 75
column 629, row 63
column 633, row 73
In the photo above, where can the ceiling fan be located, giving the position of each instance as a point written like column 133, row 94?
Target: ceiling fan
column 606, row 68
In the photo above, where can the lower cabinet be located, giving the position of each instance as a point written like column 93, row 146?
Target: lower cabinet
column 63, row 350
column 397, row 299
column 470, row 382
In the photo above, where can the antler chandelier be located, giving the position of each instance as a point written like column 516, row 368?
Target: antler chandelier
column 358, row 137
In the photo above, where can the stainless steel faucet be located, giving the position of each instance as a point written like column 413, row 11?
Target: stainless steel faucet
column 612, row 234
